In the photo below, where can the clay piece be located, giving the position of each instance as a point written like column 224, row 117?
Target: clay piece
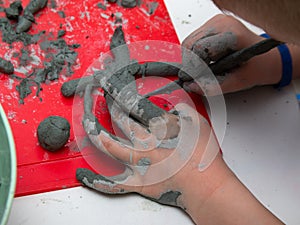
column 162, row 69
column 168, row 198
column 61, row 14
column 152, row 6
column 101, row 6
column 53, row 4
column 128, row 3
column 61, row 33
column 6, row 66
column 25, row 22
column 9, row 34
column 24, row 89
column 14, row 10
column 82, row 174
column 53, row 133
column 27, row 19
column 36, row 5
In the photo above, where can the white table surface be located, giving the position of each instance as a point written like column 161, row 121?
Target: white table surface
column 261, row 145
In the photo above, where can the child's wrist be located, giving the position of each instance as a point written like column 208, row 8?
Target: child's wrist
column 286, row 65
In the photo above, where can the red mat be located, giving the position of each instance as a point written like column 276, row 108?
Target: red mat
column 91, row 27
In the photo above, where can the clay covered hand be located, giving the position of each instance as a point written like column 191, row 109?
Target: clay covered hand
column 221, row 36
column 164, row 152
column 158, row 167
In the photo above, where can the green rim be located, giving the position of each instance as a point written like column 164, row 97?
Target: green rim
column 8, row 168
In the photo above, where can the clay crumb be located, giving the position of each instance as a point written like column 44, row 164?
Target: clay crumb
column 14, row 10
column 62, row 14
column 128, row 3
column 53, row 4
column 61, row 33
column 6, row 66
column 152, row 6
column 101, row 6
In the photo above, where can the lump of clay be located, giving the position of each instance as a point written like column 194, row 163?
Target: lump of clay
column 27, row 19
column 128, row 3
column 53, row 133
column 14, row 10
column 36, row 5
column 25, row 22
column 6, row 66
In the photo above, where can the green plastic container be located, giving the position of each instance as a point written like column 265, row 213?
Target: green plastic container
column 7, row 168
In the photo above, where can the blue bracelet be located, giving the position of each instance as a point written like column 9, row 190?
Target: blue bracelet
column 287, row 65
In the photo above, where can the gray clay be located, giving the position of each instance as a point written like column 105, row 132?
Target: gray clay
column 88, row 115
column 24, row 58
column 152, row 6
column 24, row 89
column 26, row 21
column 53, row 133
column 6, row 66
column 17, row 5
column 14, row 10
column 59, row 54
column 64, row 58
column 90, row 122
column 128, row 3
column 101, row 6
column 130, row 101
column 61, row 14
column 140, row 108
column 168, row 198
column 41, row 75
column 117, row 84
column 161, row 69
column 36, row 5
column 61, row 33
column 69, row 88
column 9, row 35
column 53, row 4
column 82, row 174
column 143, row 165
column 119, row 48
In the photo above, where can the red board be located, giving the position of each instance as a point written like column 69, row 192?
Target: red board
column 92, row 27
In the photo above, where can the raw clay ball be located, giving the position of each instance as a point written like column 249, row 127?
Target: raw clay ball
column 53, row 133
